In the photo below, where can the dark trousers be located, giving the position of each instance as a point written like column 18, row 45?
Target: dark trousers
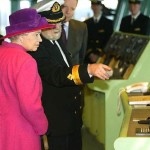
column 72, row 141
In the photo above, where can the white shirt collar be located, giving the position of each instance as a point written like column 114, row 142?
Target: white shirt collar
column 66, row 28
column 52, row 41
column 61, row 51
column 136, row 15
column 66, row 24
column 98, row 17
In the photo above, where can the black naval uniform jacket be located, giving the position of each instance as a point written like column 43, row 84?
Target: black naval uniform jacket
column 140, row 26
column 99, row 33
column 61, row 96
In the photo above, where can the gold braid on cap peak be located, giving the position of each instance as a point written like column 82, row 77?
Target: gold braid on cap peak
column 56, row 20
column 56, row 14
column 75, row 75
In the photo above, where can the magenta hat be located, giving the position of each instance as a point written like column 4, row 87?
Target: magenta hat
column 26, row 20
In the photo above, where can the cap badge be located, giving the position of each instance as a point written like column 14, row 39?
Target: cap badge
column 55, row 7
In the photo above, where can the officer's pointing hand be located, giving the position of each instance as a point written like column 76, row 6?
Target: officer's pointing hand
column 100, row 70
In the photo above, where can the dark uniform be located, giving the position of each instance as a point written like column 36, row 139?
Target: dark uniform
column 99, row 32
column 140, row 26
column 61, row 96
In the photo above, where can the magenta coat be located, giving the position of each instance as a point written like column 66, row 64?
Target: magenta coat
column 22, row 118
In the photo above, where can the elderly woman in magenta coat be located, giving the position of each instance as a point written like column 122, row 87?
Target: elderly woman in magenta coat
column 22, row 118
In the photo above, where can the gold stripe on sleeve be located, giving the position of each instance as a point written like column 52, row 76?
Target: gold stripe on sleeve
column 75, row 74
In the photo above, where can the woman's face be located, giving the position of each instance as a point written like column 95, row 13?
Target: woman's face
column 30, row 41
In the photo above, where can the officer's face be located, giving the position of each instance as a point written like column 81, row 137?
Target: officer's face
column 53, row 34
column 97, row 8
column 134, row 8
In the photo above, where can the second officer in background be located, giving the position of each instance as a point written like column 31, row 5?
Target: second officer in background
column 99, row 31
column 136, row 22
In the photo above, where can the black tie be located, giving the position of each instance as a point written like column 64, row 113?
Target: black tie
column 96, row 21
column 64, row 35
column 132, row 20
